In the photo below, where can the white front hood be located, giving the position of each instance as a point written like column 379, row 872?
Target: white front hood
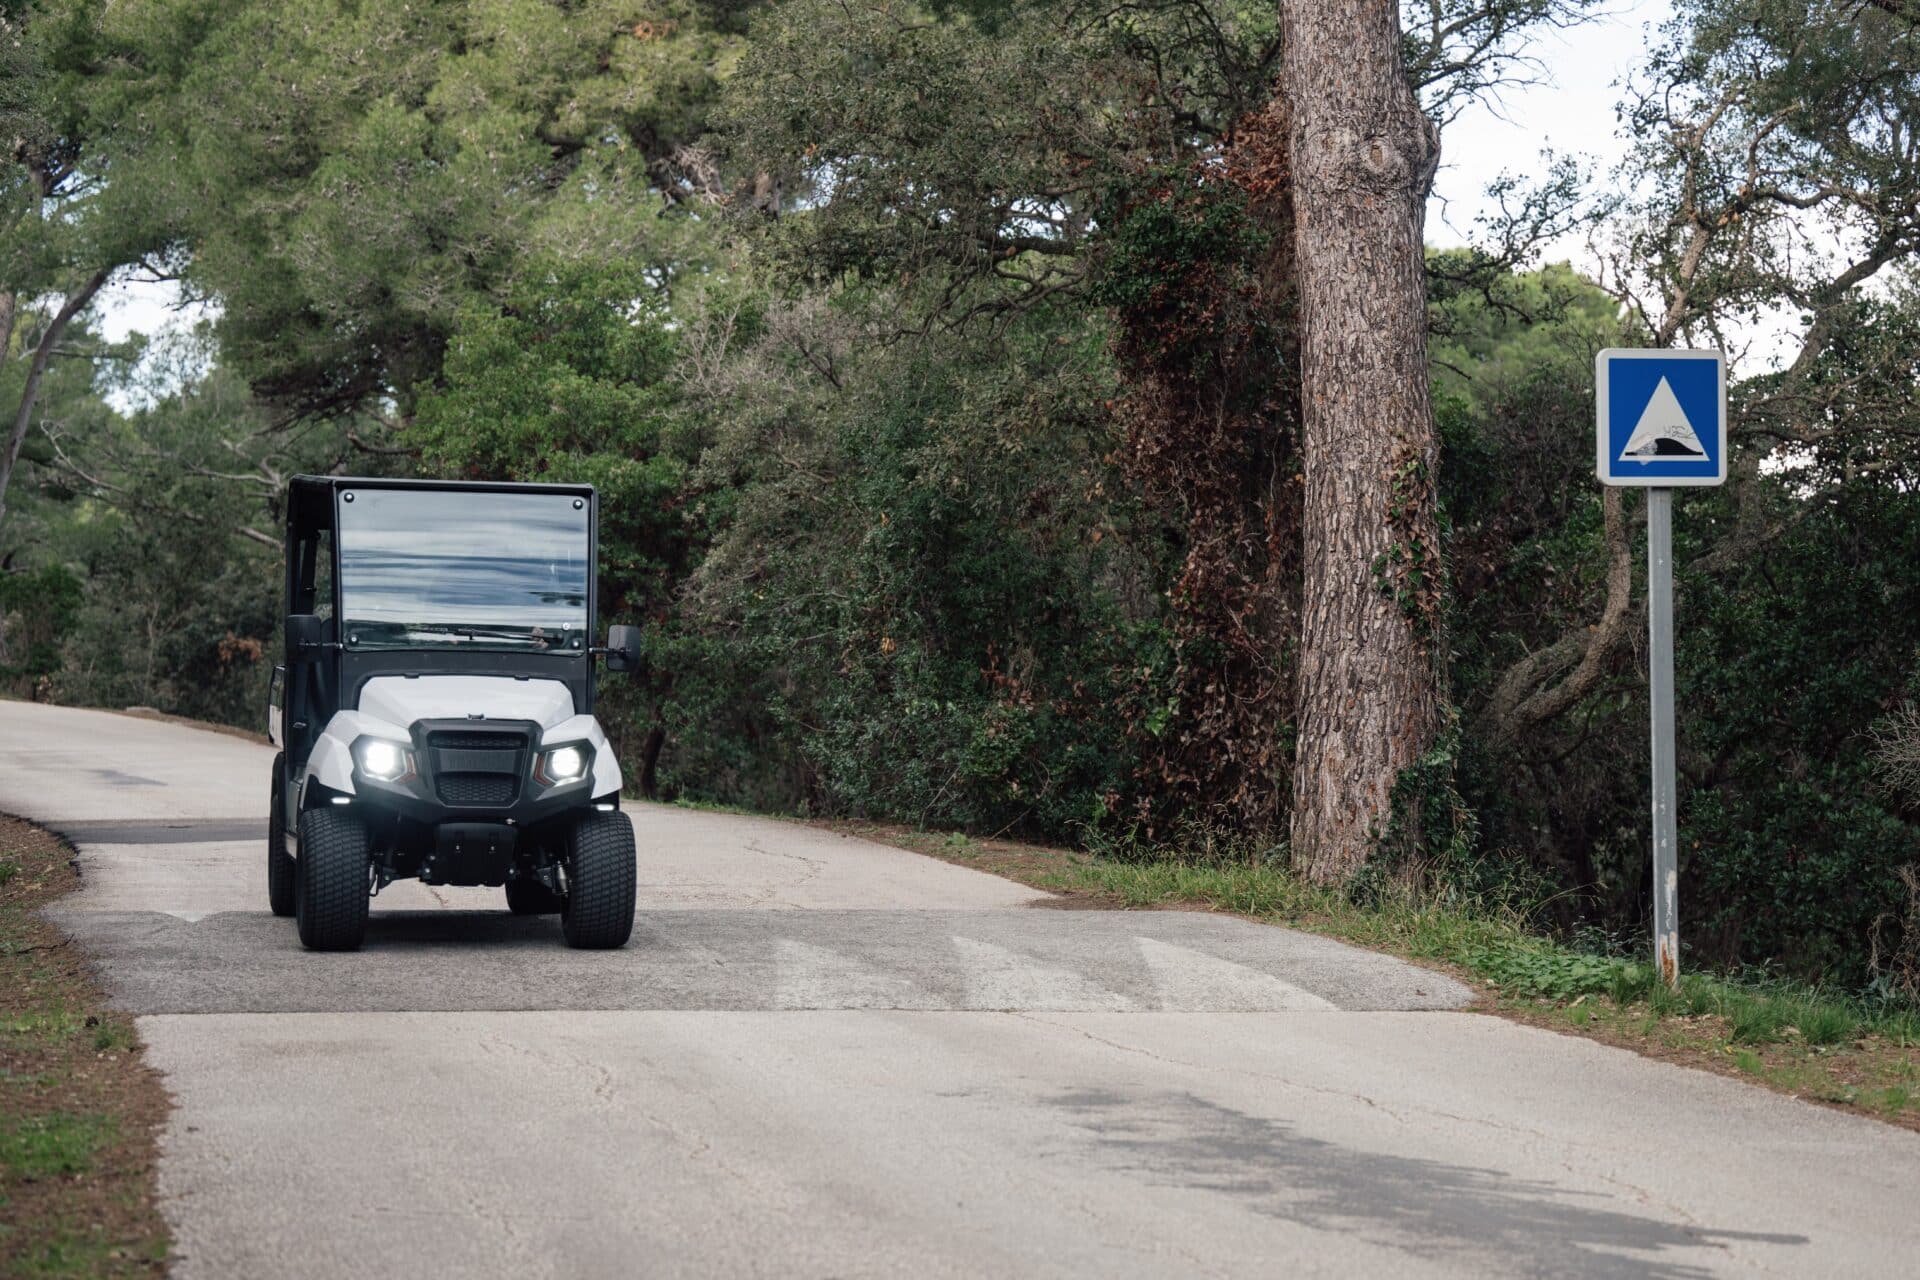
column 389, row 705
column 400, row 700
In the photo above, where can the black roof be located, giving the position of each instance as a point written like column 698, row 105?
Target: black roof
column 310, row 498
column 401, row 482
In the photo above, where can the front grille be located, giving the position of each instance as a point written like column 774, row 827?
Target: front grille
column 478, row 767
column 477, row 788
column 478, row 741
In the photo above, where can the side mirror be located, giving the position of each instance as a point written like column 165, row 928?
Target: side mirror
column 306, row 636
column 623, row 648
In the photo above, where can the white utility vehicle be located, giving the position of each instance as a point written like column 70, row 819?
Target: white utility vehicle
column 435, row 710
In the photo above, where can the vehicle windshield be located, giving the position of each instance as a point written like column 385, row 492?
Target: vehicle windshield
column 463, row 569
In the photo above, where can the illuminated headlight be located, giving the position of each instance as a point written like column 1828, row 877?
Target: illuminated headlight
column 381, row 760
column 562, row 764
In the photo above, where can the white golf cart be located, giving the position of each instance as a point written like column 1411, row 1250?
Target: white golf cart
column 435, row 710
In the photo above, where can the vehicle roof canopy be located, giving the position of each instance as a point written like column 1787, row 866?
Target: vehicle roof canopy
column 310, row 498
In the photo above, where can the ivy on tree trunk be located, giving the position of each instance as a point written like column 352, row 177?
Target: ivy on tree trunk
column 1369, row 689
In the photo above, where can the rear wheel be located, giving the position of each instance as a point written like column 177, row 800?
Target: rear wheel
column 600, row 873
column 331, row 880
column 280, row 868
column 531, row 898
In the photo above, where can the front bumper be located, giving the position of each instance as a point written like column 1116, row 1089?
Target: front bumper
column 468, row 771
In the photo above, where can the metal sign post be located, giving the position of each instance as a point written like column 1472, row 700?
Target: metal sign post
column 1666, row 868
column 1661, row 423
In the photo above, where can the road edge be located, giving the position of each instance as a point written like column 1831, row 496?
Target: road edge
column 1673, row 1039
column 83, row 1108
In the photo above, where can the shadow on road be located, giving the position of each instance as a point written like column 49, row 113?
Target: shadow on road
column 1421, row 1206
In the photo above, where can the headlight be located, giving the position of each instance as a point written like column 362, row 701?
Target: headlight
column 383, row 761
column 562, row 764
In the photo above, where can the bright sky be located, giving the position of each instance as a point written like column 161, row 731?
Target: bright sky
column 1571, row 110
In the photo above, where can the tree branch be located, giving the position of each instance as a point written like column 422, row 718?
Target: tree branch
column 23, row 417
column 1524, row 698
column 398, row 451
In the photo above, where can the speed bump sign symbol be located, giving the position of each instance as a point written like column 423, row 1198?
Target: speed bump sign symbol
column 1662, row 418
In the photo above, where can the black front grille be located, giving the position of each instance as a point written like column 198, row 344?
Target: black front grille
column 473, row 767
column 477, row 788
column 478, row 741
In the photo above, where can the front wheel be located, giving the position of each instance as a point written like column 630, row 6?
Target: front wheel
column 600, row 872
column 331, row 880
column 280, row 869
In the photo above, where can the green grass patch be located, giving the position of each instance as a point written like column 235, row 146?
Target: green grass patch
column 67, row 1252
column 1540, row 969
column 58, row 1142
column 112, row 1037
column 1826, row 1023
column 41, row 1025
column 1756, row 1019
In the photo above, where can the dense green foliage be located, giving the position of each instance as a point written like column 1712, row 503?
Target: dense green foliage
column 1796, row 848
column 934, row 364
column 924, row 583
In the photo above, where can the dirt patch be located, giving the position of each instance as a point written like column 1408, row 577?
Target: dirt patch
column 1035, row 865
column 80, row 1109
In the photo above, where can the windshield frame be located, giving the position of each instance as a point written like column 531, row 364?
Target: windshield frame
column 344, row 486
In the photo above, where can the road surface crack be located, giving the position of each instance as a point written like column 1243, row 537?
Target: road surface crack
column 772, row 892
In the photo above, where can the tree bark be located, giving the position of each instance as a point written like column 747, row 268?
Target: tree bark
column 36, row 369
column 650, row 762
column 1368, row 701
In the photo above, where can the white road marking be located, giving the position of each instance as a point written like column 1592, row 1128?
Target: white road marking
column 810, row 977
column 997, row 978
column 1190, row 979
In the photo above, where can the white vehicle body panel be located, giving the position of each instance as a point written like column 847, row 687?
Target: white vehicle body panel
column 332, row 758
column 606, row 769
column 389, row 705
column 403, row 699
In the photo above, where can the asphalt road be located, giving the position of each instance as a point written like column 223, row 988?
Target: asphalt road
column 824, row 1057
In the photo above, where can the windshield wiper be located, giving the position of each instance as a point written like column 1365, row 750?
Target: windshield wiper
column 478, row 633
column 500, row 633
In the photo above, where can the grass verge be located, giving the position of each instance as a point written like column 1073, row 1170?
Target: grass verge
column 79, row 1107
column 1794, row 1039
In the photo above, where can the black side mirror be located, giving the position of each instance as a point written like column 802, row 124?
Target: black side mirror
column 623, row 648
column 306, row 636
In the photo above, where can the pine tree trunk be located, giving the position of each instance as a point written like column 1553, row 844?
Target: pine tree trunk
column 1368, row 697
